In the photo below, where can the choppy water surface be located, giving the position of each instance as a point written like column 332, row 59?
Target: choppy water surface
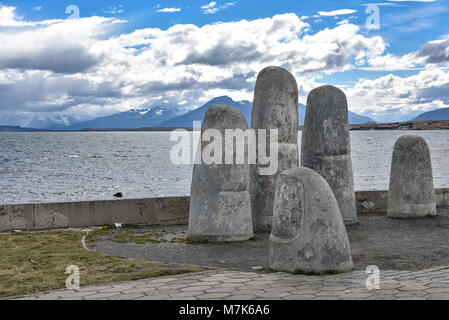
column 42, row 167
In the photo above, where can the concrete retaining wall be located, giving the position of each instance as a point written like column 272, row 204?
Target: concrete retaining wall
column 158, row 211
column 41, row 216
column 376, row 201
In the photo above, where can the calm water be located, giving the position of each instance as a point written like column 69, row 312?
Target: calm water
column 40, row 167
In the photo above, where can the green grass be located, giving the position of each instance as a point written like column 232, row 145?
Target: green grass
column 133, row 236
column 52, row 252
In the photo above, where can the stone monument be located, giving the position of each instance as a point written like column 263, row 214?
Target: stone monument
column 275, row 107
column 220, row 205
column 308, row 233
column 326, row 146
column 411, row 193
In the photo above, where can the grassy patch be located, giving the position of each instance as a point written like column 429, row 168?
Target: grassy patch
column 36, row 261
column 133, row 236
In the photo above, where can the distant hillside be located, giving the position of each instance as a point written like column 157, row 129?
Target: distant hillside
column 132, row 119
column 186, row 120
column 161, row 117
column 439, row 114
column 18, row 129
column 354, row 118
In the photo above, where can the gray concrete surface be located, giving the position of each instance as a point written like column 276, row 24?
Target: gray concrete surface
column 41, row 216
column 391, row 244
column 429, row 284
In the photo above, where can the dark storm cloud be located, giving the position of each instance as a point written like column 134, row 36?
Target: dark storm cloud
column 223, row 54
column 58, row 60
column 437, row 52
column 431, row 93
column 35, row 92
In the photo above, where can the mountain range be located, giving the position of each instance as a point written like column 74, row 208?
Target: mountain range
column 161, row 116
column 18, row 129
column 439, row 114
column 186, row 120
column 132, row 119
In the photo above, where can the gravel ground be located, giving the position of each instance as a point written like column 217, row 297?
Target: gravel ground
column 390, row 244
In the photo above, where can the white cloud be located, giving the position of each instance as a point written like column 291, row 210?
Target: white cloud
column 10, row 19
column 38, row 8
column 209, row 6
column 393, row 98
column 114, row 9
column 169, row 10
column 343, row 22
column 62, row 46
column 74, row 67
column 336, row 12
column 212, row 7
column 432, row 55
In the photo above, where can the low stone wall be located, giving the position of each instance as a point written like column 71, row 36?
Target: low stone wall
column 157, row 211
column 41, row 216
column 376, row 201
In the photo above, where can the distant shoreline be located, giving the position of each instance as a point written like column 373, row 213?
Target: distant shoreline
column 409, row 125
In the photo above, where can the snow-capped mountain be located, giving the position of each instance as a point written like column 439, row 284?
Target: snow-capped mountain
column 131, row 119
column 161, row 116
column 186, row 120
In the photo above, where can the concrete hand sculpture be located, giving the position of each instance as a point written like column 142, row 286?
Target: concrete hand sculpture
column 220, row 205
column 275, row 107
column 308, row 231
column 326, row 146
column 411, row 193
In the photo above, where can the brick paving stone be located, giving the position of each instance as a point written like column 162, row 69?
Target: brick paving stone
column 240, row 297
column 214, row 295
column 411, row 298
column 215, row 290
column 101, row 295
column 270, row 295
column 206, row 283
column 197, row 288
column 299, row 297
column 222, row 284
column 130, row 296
column 155, row 297
column 357, row 295
column 437, row 296
column 145, row 290
column 438, row 290
column 182, row 295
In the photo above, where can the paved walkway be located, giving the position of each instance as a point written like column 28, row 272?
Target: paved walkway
column 222, row 284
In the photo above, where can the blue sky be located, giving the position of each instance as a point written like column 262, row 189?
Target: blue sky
column 125, row 55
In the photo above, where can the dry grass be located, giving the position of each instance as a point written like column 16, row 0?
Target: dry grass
column 124, row 235
column 36, row 261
